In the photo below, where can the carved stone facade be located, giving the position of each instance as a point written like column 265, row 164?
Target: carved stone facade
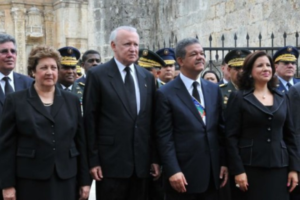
column 52, row 22
column 86, row 24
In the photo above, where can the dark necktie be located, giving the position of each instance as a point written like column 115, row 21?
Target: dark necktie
column 195, row 92
column 7, row 88
column 288, row 85
column 130, row 90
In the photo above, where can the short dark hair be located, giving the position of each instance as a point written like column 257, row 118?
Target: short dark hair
column 245, row 81
column 180, row 47
column 212, row 72
column 7, row 38
column 84, row 56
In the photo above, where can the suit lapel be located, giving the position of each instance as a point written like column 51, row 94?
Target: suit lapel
column 35, row 101
column 58, row 102
column 118, row 85
column 207, row 99
column 277, row 102
column 142, row 87
column 186, row 98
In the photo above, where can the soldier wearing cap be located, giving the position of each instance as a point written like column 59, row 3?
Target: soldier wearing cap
column 78, row 71
column 66, row 74
column 235, row 60
column 153, row 63
column 285, row 65
column 167, row 72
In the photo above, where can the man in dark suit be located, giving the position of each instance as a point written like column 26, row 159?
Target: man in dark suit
column 285, row 65
column 189, row 124
column 10, row 81
column 294, row 101
column 118, row 104
column 90, row 58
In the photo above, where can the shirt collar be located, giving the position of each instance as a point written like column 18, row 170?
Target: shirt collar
column 189, row 82
column 121, row 67
column 10, row 75
column 284, row 82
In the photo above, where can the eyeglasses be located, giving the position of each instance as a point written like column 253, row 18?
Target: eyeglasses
column 6, row 51
column 288, row 62
column 93, row 60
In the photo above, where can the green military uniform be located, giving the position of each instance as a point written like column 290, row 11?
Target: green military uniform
column 226, row 89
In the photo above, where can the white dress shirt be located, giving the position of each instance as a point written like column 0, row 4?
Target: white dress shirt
column 189, row 86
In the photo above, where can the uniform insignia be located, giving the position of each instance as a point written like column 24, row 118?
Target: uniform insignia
column 238, row 53
column 145, row 85
column 222, row 85
column 145, row 52
column 70, row 51
column 289, row 49
column 81, row 83
column 229, row 90
column 79, row 92
column 166, row 51
column 225, row 99
column 283, row 91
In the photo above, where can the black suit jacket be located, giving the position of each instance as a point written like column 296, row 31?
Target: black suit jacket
column 35, row 143
column 185, row 143
column 117, row 141
column 21, row 82
column 259, row 136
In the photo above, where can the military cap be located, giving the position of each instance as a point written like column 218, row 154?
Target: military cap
column 149, row 58
column 78, row 69
column 236, row 58
column 168, row 55
column 69, row 56
column 288, row 53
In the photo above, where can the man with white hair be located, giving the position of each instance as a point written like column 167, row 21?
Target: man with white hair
column 118, row 104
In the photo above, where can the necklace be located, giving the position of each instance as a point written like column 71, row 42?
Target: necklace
column 264, row 96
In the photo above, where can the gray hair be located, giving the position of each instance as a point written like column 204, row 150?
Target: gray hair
column 113, row 34
column 7, row 38
column 180, row 47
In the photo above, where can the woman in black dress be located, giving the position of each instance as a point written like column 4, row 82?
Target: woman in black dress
column 262, row 153
column 42, row 142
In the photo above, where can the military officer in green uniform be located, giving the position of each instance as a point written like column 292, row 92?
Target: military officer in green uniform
column 67, row 72
column 153, row 63
column 235, row 60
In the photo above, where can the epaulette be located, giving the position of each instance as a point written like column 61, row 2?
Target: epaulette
column 81, row 83
column 223, row 85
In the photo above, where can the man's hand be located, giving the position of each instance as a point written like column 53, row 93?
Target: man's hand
column 84, row 192
column 178, row 182
column 292, row 180
column 96, row 173
column 9, row 193
column 242, row 181
column 223, row 175
column 155, row 171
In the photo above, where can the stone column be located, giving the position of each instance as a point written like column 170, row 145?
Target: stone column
column 18, row 15
column 49, row 27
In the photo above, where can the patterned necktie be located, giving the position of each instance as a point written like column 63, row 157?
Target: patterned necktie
column 130, row 91
column 7, row 88
column 195, row 92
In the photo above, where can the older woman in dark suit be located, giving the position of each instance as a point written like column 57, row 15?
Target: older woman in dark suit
column 262, row 153
column 42, row 143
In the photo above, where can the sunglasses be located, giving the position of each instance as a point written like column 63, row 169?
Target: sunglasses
column 288, row 62
column 93, row 60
